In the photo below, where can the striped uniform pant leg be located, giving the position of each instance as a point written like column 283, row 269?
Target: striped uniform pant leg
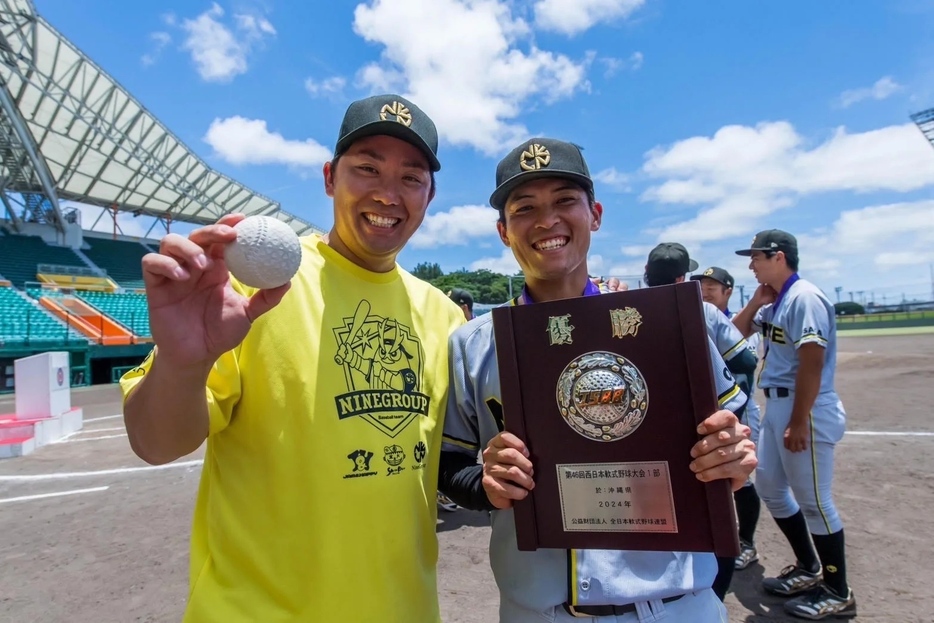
column 811, row 471
column 772, row 481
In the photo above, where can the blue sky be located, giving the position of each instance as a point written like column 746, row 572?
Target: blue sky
column 702, row 122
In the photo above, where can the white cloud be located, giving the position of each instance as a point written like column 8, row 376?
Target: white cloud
column 905, row 258
column 742, row 174
column 615, row 65
column 630, row 272
column 636, row 250
column 883, row 88
column 571, row 17
column 160, row 39
column 892, row 235
column 326, row 87
column 254, row 26
column 470, row 64
column 884, row 248
column 458, row 226
column 248, row 141
column 880, row 225
column 595, row 263
column 505, row 264
column 613, row 179
column 635, row 61
column 220, row 53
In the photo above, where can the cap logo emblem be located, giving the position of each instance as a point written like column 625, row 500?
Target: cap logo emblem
column 398, row 111
column 708, row 272
column 534, row 158
column 774, row 245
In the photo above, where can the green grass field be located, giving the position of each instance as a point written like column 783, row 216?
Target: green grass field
column 886, row 317
column 843, row 331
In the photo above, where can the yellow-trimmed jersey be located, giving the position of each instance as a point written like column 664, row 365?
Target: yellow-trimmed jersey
column 317, row 495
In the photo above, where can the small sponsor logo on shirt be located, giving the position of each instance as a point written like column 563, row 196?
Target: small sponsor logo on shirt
column 361, row 464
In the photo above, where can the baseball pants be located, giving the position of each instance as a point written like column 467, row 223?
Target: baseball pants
column 787, row 481
column 700, row 607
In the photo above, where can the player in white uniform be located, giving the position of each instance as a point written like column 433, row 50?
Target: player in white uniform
column 716, row 289
column 804, row 420
column 464, row 300
column 668, row 263
column 547, row 213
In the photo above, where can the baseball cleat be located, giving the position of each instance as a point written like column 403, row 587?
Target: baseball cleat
column 822, row 603
column 747, row 555
column 792, row 581
column 445, row 503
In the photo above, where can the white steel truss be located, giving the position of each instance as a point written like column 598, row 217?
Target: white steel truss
column 70, row 131
column 925, row 122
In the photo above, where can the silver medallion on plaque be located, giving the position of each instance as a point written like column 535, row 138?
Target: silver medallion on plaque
column 602, row 396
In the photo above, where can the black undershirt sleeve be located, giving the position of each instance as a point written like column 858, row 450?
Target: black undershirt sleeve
column 743, row 364
column 460, row 478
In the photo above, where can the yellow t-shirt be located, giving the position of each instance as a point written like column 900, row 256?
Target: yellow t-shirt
column 317, row 496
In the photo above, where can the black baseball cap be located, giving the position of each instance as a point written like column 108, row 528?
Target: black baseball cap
column 537, row 158
column 461, row 297
column 717, row 274
column 392, row 115
column 668, row 261
column 771, row 241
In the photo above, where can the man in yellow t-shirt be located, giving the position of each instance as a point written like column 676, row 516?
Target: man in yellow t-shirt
column 321, row 401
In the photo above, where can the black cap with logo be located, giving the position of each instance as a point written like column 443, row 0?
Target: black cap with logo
column 717, row 274
column 392, row 115
column 667, row 262
column 772, row 241
column 461, row 297
column 537, row 158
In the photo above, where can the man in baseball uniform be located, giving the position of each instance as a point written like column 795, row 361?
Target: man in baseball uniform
column 463, row 299
column 804, row 420
column 716, row 289
column 547, row 212
column 667, row 264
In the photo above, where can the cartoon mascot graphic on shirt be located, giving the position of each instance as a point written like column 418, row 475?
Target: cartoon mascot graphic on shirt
column 382, row 364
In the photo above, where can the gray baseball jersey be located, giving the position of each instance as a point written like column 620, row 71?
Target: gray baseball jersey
column 804, row 315
column 548, row 577
column 726, row 337
column 752, row 414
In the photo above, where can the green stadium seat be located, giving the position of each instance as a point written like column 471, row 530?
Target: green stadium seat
column 21, row 255
column 120, row 258
column 22, row 322
column 127, row 308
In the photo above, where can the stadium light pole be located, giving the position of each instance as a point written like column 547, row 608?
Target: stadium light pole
column 838, row 290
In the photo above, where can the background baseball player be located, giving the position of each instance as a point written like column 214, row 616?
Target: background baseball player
column 716, row 289
column 668, row 263
column 804, row 419
column 464, row 300
column 546, row 216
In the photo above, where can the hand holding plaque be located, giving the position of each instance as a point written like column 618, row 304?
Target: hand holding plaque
column 607, row 393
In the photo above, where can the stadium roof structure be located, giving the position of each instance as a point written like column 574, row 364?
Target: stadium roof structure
column 69, row 131
column 925, row 122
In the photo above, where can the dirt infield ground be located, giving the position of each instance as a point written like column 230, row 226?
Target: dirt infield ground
column 115, row 548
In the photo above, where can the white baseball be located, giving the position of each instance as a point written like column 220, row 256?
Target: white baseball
column 266, row 253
